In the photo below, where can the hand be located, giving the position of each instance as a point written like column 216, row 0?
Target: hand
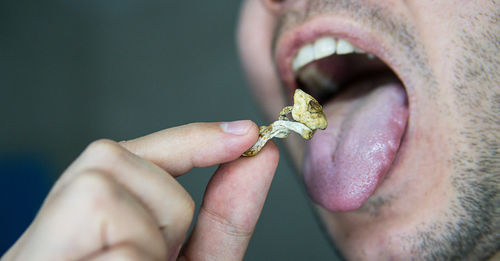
column 120, row 201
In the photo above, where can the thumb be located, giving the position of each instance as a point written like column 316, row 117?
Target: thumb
column 231, row 207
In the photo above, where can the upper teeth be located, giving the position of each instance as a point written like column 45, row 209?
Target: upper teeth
column 322, row 48
column 344, row 47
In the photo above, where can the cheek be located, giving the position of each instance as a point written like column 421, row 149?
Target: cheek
column 255, row 35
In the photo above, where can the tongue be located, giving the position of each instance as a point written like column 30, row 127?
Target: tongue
column 345, row 163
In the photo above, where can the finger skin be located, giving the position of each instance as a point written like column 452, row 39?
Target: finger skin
column 93, row 213
column 179, row 149
column 158, row 191
column 123, row 252
column 147, row 186
column 231, row 207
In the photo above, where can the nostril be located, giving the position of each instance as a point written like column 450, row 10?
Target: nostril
column 275, row 6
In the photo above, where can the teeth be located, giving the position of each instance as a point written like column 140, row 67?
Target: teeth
column 304, row 56
column 358, row 50
column 312, row 77
column 344, row 47
column 322, row 48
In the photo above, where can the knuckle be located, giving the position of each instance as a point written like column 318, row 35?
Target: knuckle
column 129, row 253
column 94, row 189
column 190, row 129
column 190, row 206
column 133, row 252
column 105, row 149
column 184, row 209
column 226, row 225
column 197, row 128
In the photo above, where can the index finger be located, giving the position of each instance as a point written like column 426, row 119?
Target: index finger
column 179, row 149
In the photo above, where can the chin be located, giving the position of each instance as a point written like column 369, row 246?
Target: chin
column 394, row 176
column 378, row 178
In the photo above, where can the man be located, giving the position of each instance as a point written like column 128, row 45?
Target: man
column 407, row 169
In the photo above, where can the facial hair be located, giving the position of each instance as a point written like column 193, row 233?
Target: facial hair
column 471, row 229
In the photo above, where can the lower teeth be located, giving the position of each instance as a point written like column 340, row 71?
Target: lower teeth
column 312, row 77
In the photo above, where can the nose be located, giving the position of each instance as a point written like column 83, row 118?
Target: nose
column 274, row 6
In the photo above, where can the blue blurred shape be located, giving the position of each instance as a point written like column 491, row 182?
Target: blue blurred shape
column 24, row 183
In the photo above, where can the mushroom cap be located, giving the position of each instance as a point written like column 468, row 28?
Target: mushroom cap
column 308, row 111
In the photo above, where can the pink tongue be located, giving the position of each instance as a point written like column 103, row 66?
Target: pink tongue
column 346, row 162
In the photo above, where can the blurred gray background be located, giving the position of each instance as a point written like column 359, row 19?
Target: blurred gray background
column 75, row 71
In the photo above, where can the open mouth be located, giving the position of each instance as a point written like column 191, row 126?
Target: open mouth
column 365, row 103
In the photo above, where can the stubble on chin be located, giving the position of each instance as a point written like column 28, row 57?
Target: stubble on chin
column 470, row 227
column 472, row 230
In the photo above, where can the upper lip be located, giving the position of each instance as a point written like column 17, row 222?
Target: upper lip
column 385, row 48
column 289, row 42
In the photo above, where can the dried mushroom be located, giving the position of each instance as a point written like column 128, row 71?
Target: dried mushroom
column 307, row 115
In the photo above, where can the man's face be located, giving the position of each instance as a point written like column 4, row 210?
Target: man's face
column 409, row 165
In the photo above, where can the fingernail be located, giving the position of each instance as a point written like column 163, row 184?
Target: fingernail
column 236, row 127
